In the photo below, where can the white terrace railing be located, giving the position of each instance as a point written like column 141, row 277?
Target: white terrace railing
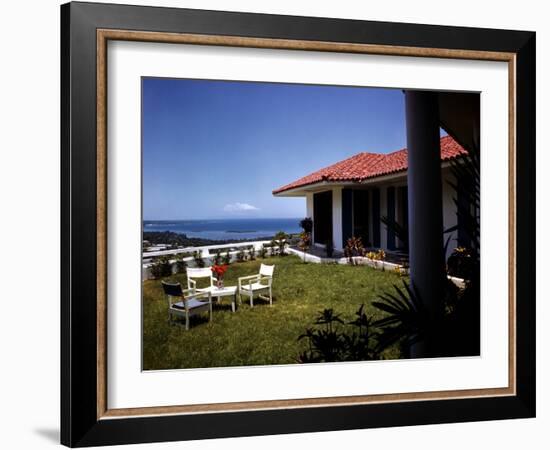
column 205, row 249
column 207, row 253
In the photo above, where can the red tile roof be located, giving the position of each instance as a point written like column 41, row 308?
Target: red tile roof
column 370, row 165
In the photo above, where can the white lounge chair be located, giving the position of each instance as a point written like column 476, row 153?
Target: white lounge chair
column 195, row 273
column 186, row 303
column 257, row 284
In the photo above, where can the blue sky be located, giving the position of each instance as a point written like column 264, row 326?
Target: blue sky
column 216, row 149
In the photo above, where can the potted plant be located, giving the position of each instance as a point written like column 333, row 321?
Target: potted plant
column 306, row 224
column 219, row 271
column 461, row 264
column 305, row 242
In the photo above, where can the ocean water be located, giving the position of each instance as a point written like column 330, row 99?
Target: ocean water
column 225, row 229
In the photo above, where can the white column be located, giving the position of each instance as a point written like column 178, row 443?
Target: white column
column 337, row 218
column 309, row 204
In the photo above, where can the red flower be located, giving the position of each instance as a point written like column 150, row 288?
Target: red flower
column 219, row 270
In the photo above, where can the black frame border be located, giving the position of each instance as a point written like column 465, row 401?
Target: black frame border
column 79, row 423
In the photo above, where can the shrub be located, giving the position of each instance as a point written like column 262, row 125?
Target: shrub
column 400, row 270
column 305, row 243
column 451, row 329
column 329, row 340
column 227, row 258
column 199, row 260
column 353, row 248
column 241, row 255
column 218, row 257
column 270, row 249
column 263, row 251
column 279, row 242
column 380, row 255
column 461, row 264
column 180, row 265
column 306, row 224
column 251, row 254
column 161, row 267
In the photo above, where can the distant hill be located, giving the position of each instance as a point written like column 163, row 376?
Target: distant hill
column 176, row 239
column 181, row 240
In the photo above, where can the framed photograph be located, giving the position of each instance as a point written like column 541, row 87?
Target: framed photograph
column 276, row 224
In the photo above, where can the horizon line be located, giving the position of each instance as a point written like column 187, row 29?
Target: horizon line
column 222, row 218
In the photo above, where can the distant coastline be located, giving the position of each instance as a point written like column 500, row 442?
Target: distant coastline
column 181, row 240
column 215, row 231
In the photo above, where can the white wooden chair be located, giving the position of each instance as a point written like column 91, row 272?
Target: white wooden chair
column 186, row 302
column 196, row 273
column 257, row 284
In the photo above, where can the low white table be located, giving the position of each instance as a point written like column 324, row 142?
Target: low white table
column 226, row 291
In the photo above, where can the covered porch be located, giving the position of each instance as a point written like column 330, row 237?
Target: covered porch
column 342, row 211
column 367, row 196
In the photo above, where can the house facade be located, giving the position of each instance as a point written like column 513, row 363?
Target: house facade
column 360, row 195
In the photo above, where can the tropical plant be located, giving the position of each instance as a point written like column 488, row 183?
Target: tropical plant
column 306, row 224
column 328, row 340
column 466, row 172
column 279, row 242
column 400, row 270
column 180, row 264
column 241, row 256
column 198, row 259
column 252, row 253
column 353, row 248
column 218, row 257
column 304, row 243
column 161, row 267
column 407, row 318
column 450, row 329
column 461, row 263
column 263, row 251
column 227, row 258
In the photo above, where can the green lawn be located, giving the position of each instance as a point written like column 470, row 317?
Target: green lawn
column 263, row 334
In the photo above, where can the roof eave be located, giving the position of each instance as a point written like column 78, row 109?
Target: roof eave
column 301, row 191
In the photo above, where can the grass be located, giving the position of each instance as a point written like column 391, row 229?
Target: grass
column 261, row 335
